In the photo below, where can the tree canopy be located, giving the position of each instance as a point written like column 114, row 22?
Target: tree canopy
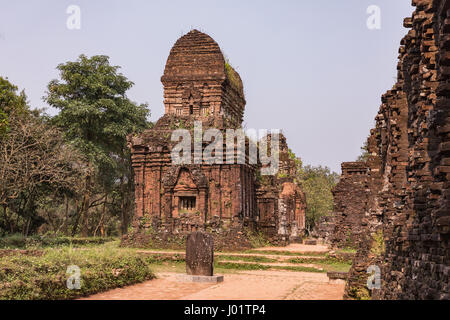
column 317, row 183
column 95, row 113
column 10, row 102
column 96, row 116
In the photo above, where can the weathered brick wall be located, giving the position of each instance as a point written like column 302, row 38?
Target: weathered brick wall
column 223, row 192
column 280, row 200
column 199, row 83
column 343, row 227
column 198, row 86
column 201, row 87
column 410, row 208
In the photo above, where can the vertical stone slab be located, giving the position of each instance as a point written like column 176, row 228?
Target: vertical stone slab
column 200, row 254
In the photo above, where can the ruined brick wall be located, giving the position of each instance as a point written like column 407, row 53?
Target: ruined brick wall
column 200, row 87
column 224, row 193
column 343, row 227
column 408, row 230
column 199, row 83
column 280, row 200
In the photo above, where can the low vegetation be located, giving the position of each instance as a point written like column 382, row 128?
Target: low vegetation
column 245, row 258
column 256, row 239
column 38, row 277
column 285, row 253
column 18, row 241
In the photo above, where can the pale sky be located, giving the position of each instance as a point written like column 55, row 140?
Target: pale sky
column 310, row 68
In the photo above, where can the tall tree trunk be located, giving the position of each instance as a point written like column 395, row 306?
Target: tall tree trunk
column 77, row 219
column 82, row 215
column 85, row 217
column 123, row 214
column 100, row 223
column 7, row 220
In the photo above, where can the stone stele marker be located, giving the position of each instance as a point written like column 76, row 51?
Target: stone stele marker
column 200, row 258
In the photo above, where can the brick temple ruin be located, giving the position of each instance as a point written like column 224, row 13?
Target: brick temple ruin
column 224, row 199
column 400, row 221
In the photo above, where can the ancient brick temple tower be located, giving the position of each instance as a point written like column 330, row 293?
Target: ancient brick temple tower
column 199, row 86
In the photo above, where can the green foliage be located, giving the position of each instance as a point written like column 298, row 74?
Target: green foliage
column 241, row 266
column 328, row 263
column 96, row 117
column 257, row 239
column 298, row 162
column 282, row 175
column 95, row 113
column 233, row 77
column 10, row 103
column 359, row 293
column 378, row 244
column 256, row 266
column 244, row 258
column 36, row 167
column 3, row 123
column 364, row 152
column 18, row 241
column 24, row 277
column 317, row 183
column 285, row 253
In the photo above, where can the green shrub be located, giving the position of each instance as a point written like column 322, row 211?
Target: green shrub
column 378, row 245
column 256, row 239
column 44, row 277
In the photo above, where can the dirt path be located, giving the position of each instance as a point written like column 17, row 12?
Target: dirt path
column 241, row 285
column 234, row 254
column 259, row 285
column 299, row 248
column 275, row 264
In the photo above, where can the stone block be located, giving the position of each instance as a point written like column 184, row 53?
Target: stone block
column 200, row 279
column 199, row 254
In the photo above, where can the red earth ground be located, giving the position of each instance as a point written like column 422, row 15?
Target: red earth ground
column 240, row 285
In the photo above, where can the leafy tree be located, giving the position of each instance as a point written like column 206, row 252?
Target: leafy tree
column 364, row 152
column 10, row 102
column 3, row 123
column 34, row 163
column 96, row 116
column 9, row 99
column 317, row 183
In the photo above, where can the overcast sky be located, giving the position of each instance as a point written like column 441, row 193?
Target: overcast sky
column 311, row 68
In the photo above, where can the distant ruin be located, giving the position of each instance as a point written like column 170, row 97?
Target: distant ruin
column 344, row 226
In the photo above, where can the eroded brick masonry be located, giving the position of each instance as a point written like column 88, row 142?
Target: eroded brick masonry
column 405, row 222
column 224, row 199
